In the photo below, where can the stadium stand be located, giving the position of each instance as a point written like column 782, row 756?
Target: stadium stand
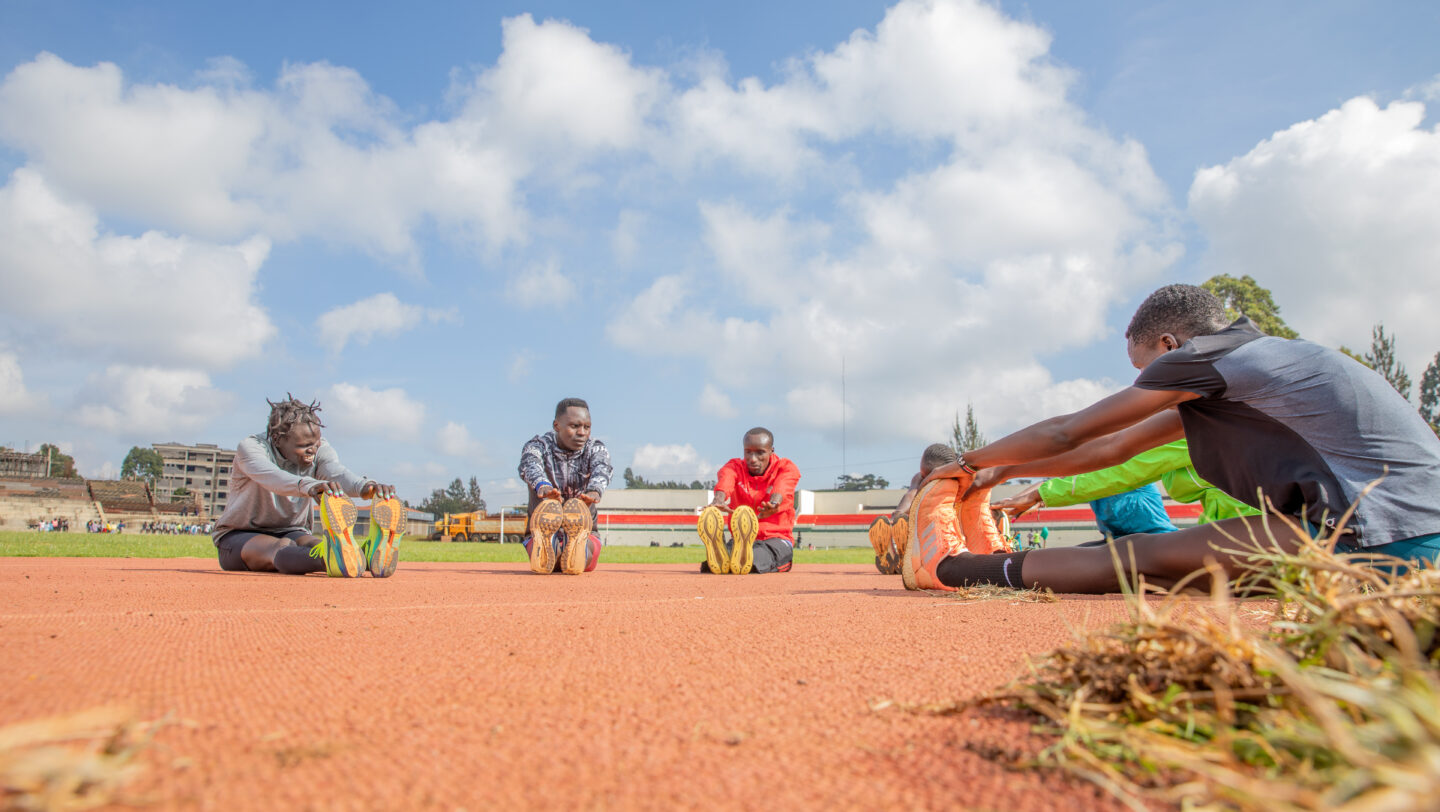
column 30, row 499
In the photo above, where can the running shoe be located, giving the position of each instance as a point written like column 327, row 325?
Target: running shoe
column 545, row 522
column 575, row 521
column 880, row 542
column 387, row 527
column 342, row 555
column 899, row 540
column 934, row 535
column 744, row 526
column 711, row 528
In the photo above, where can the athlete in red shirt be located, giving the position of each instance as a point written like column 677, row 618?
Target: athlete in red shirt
column 758, row 491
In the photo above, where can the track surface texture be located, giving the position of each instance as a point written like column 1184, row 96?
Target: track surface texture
column 483, row 686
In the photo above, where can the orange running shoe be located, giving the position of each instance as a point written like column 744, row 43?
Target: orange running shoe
column 711, row 529
column 545, row 522
column 744, row 527
column 934, row 535
column 575, row 520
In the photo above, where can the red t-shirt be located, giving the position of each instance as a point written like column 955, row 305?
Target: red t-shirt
column 780, row 477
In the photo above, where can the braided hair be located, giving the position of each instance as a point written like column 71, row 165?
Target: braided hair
column 289, row 412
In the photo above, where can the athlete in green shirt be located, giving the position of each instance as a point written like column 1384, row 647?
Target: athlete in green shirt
column 1168, row 464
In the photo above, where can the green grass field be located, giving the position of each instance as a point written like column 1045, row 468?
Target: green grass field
column 133, row 545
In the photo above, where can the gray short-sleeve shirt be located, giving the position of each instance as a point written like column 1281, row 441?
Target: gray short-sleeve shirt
column 1306, row 429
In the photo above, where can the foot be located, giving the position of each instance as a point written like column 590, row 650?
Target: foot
column 880, row 542
column 544, row 524
column 744, row 527
column 934, row 535
column 575, row 521
column 342, row 555
column 899, row 540
column 711, row 529
column 387, row 526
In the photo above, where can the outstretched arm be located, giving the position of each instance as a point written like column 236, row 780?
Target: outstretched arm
column 1100, row 453
column 1058, row 435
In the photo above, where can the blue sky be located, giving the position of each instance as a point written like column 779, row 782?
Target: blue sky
column 441, row 220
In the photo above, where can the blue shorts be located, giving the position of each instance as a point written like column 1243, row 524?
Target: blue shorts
column 1420, row 549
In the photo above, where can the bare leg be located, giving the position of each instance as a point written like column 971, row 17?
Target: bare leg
column 1163, row 558
column 259, row 551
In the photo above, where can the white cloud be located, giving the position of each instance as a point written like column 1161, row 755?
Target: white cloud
column 681, row 463
column 453, row 439
column 941, row 286
column 360, row 410
column 520, row 365
column 14, row 397
column 147, row 299
column 105, row 470
column 715, row 403
column 318, row 155
column 625, row 240
column 542, row 285
column 554, row 87
column 1339, row 218
column 382, row 314
column 149, row 403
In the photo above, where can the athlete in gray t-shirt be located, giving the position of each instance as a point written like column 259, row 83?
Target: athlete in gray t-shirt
column 1290, row 427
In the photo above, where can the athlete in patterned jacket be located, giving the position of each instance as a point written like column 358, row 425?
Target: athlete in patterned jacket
column 567, row 472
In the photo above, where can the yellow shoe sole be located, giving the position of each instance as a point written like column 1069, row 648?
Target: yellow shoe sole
column 342, row 554
column 744, row 526
column 711, row 529
column 387, row 526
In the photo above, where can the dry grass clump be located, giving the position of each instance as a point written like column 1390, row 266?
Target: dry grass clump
column 79, row 761
column 1327, row 696
column 990, row 592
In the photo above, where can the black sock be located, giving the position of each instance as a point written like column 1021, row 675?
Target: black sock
column 296, row 560
column 971, row 570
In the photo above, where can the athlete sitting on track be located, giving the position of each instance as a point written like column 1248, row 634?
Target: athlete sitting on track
column 758, row 491
column 1169, row 463
column 1288, row 426
column 567, row 473
column 278, row 476
column 889, row 534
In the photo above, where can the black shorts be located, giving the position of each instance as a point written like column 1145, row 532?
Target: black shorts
column 229, row 546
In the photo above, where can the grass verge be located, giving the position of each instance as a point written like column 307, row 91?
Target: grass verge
column 134, row 545
column 1324, row 696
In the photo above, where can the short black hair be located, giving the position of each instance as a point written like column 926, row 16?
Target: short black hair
column 1184, row 310
column 287, row 413
column 758, row 431
column 567, row 403
column 936, row 455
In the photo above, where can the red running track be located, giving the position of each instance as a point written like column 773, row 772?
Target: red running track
column 479, row 686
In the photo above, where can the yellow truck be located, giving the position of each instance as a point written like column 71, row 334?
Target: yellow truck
column 480, row 527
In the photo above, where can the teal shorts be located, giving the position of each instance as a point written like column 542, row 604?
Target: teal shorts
column 1420, row 549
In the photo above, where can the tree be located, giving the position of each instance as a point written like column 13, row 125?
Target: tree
column 967, row 437
column 635, row 481
column 62, row 465
column 1245, row 297
column 454, row 498
column 856, row 482
column 180, row 494
column 142, row 463
column 472, row 493
column 1355, row 355
column 1430, row 394
column 1381, row 358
